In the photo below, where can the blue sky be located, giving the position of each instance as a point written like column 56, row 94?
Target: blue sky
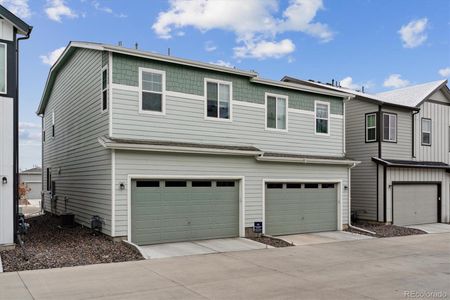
column 380, row 44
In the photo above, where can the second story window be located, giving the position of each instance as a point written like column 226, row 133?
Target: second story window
column 105, row 89
column 53, row 123
column 426, row 132
column 218, row 99
column 390, row 127
column 322, row 116
column 276, row 112
column 3, row 68
column 152, row 91
column 371, row 127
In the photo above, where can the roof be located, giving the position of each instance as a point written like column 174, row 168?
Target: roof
column 412, row 95
column 253, row 76
column 35, row 170
column 365, row 96
column 22, row 27
column 411, row 163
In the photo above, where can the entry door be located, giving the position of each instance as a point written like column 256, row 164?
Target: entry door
column 6, row 171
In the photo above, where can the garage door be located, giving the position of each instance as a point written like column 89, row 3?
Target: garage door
column 299, row 208
column 415, row 204
column 182, row 210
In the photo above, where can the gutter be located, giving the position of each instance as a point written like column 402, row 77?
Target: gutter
column 305, row 160
column 350, row 204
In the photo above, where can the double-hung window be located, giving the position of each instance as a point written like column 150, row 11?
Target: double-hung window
column 322, row 116
column 371, row 127
column 426, row 132
column 152, row 91
column 105, row 85
column 390, row 127
column 3, row 81
column 276, row 111
column 218, row 99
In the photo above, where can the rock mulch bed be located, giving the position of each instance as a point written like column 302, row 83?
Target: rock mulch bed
column 50, row 246
column 384, row 230
column 271, row 241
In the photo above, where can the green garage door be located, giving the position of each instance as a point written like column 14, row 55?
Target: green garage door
column 171, row 211
column 299, row 208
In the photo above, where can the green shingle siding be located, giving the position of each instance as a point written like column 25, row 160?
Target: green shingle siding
column 189, row 80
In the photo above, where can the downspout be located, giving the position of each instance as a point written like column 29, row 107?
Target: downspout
column 413, row 146
column 350, row 204
column 16, row 138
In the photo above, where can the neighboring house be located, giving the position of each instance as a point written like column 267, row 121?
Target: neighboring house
column 10, row 28
column 165, row 149
column 402, row 139
column 32, row 178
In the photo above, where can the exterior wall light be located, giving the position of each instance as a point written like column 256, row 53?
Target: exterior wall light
column 122, row 186
column 4, row 180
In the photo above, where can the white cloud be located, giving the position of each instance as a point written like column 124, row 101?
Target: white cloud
column 29, row 133
column 107, row 10
column 17, row 7
column 395, row 81
column 254, row 22
column 56, row 9
column 222, row 63
column 265, row 49
column 348, row 83
column 413, row 34
column 53, row 56
column 445, row 72
column 209, row 46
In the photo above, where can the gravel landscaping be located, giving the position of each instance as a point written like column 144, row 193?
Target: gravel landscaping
column 271, row 241
column 384, row 230
column 50, row 246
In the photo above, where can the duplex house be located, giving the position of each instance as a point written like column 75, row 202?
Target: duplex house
column 165, row 149
column 12, row 30
column 402, row 138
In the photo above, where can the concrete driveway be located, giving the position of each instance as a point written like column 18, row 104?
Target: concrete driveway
column 432, row 228
column 322, row 237
column 388, row 268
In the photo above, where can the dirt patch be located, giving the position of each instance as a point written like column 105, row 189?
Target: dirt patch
column 50, row 246
column 384, row 230
column 271, row 241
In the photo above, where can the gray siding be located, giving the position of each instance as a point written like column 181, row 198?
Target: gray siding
column 185, row 121
column 81, row 167
column 364, row 175
column 145, row 163
column 402, row 149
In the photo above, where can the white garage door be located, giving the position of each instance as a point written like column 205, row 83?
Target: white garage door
column 415, row 204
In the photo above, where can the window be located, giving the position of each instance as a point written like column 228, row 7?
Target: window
column 322, row 113
column 218, row 99
column 147, row 183
column 276, row 112
column 43, row 135
column 274, row 185
column 371, row 127
column 293, row 185
column 3, row 69
column 390, row 127
column 201, row 184
column 225, row 183
column 105, row 84
column 49, row 179
column 311, row 186
column 426, row 132
column 152, row 88
column 176, row 183
column 328, row 185
column 53, row 123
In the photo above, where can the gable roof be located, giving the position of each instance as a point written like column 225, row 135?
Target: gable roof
column 413, row 95
column 365, row 96
column 34, row 170
column 22, row 27
column 252, row 75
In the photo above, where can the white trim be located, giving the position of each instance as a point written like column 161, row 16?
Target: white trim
column 205, row 97
column 372, row 127
column 305, row 160
column 339, row 190
column 328, row 119
column 248, row 104
column 422, row 131
column 6, row 69
column 163, row 92
column 276, row 96
column 110, row 93
column 113, row 192
column 301, row 111
column 337, row 116
column 241, row 180
column 185, row 96
column 124, row 87
column 104, row 89
column 390, row 125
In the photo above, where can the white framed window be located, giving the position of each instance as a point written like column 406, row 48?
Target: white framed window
column 390, row 127
column 426, row 132
column 218, row 103
column 105, row 87
column 322, row 117
column 3, row 68
column 53, row 123
column 276, row 112
column 371, row 127
column 152, row 89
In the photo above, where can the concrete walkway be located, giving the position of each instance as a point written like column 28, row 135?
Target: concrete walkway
column 432, row 228
column 199, row 247
column 322, row 237
column 388, row 268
